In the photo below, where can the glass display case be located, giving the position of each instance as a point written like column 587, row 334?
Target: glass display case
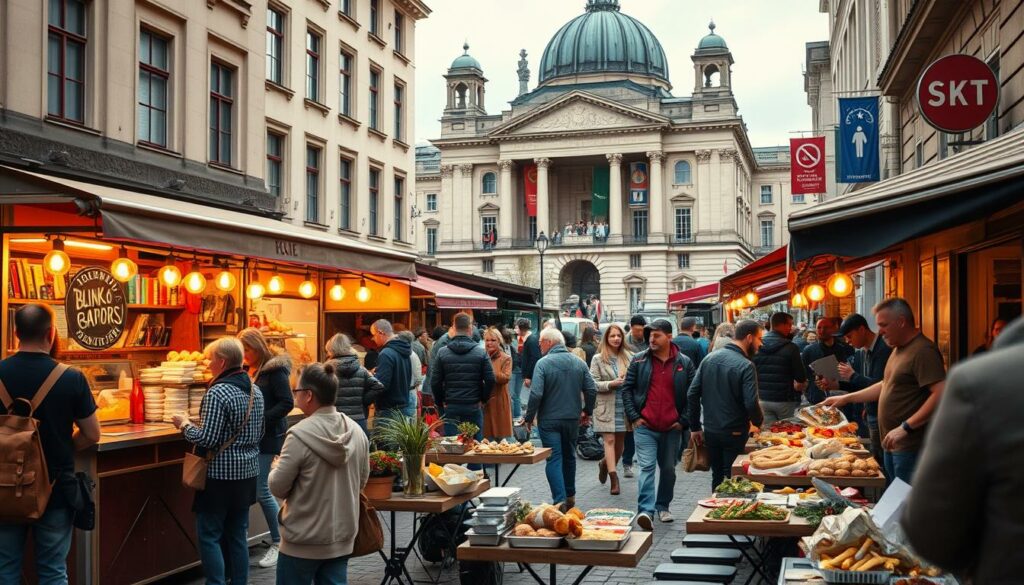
column 110, row 382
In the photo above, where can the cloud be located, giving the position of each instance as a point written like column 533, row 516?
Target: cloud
column 766, row 37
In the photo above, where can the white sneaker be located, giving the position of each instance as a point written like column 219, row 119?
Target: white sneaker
column 627, row 471
column 644, row 522
column 665, row 516
column 270, row 559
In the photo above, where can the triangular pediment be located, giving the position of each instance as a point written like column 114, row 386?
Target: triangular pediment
column 580, row 113
column 488, row 207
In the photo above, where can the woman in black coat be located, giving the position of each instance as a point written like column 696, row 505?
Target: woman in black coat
column 357, row 388
column 271, row 372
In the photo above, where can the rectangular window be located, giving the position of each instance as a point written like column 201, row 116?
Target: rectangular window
column 636, row 295
column 767, row 233
column 488, row 266
column 222, row 104
column 634, row 261
column 312, row 184
column 533, row 230
column 275, row 163
column 399, row 110
column 399, row 208
column 431, row 241
column 154, row 79
column 488, row 223
column 375, row 17
column 345, row 7
column 684, row 231
column 431, row 201
column 682, row 260
column 65, row 71
column 640, row 225
column 799, row 198
column 345, row 193
column 345, row 62
column 374, row 99
column 399, row 32
column 313, row 66
column 374, row 200
column 766, row 194
column 275, row 46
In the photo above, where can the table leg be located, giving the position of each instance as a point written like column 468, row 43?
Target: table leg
column 757, row 564
column 582, row 576
column 553, row 574
column 394, row 566
column 534, row 574
column 510, row 474
column 497, row 475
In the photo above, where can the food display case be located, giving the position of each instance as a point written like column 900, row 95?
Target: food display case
column 110, row 382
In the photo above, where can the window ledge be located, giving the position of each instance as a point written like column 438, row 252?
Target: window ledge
column 158, row 149
column 347, row 18
column 348, row 232
column 274, row 86
column 401, row 57
column 325, row 3
column 349, row 120
column 376, row 38
column 72, row 126
column 401, row 144
column 377, row 238
column 682, row 184
column 495, row 195
column 430, row 211
column 324, row 110
column 402, row 243
column 316, row 225
column 224, row 167
column 378, row 134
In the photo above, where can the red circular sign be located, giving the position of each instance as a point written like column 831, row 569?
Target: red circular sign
column 957, row 93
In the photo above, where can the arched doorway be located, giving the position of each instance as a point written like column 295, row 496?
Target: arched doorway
column 581, row 278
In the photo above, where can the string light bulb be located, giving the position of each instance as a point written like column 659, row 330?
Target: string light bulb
column 815, row 293
column 798, row 301
column 337, row 292
column 275, row 285
column 169, row 274
column 363, row 294
column 123, row 268
column 195, row 282
column 57, row 261
column 225, row 280
column 307, row 289
column 840, row 284
column 751, row 299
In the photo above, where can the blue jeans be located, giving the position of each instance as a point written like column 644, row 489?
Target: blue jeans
column 295, row 571
column 267, row 500
column 515, row 388
column 52, row 536
column 560, row 468
column 656, row 450
column 410, row 408
column 900, row 464
column 629, row 450
column 233, row 527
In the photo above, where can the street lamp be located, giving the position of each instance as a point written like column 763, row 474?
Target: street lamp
column 541, row 243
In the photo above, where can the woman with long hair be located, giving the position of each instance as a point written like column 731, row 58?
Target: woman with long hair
column 498, row 409
column 270, row 369
column 723, row 336
column 357, row 388
column 589, row 342
column 609, row 371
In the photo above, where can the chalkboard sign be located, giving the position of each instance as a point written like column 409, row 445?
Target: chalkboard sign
column 96, row 308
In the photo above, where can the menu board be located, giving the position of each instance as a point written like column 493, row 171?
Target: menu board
column 96, row 308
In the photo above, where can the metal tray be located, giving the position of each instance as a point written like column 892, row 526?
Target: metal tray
column 476, row 539
column 477, row 520
column 500, row 496
column 629, row 525
column 534, row 542
column 857, row 577
column 580, row 544
column 451, row 448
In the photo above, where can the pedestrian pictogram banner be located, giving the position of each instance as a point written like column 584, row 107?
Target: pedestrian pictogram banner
column 807, row 167
column 639, row 184
column 530, row 183
column 858, row 140
column 957, row 93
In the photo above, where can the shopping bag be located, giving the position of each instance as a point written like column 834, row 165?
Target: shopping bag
column 695, row 458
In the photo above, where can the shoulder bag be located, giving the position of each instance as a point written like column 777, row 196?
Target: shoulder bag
column 370, row 535
column 194, row 467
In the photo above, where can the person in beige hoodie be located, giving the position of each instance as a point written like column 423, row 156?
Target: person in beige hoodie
column 323, row 466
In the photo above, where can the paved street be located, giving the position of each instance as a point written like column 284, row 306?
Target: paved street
column 591, row 494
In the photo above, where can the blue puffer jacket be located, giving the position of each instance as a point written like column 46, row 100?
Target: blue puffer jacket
column 394, row 370
column 462, row 373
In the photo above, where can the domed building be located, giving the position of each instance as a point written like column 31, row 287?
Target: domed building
column 640, row 193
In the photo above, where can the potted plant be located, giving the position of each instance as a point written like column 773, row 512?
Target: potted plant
column 412, row 436
column 384, row 467
column 467, row 435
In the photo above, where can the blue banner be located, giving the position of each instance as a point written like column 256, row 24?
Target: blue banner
column 639, row 184
column 858, row 140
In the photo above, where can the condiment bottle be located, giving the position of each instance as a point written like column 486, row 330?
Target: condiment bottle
column 138, row 403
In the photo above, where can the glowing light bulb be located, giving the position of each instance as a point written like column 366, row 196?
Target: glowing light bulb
column 751, row 299
column 123, row 268
column 255, row 290
column 195, row 282
column 798, row 301
column 57, row 261
column 815, row 293
column 275, row 285
column 169, row 274
column 226, row 281
column 337, row 293
column 307, row 289
column 840, row 284
column 363, row 294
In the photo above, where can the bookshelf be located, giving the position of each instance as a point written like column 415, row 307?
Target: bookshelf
column 60, row 302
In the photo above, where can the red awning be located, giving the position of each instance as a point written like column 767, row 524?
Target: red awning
column 449, row 296
column 693, row 295
column 761, row 271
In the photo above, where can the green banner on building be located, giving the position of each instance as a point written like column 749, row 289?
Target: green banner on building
column 599, row 199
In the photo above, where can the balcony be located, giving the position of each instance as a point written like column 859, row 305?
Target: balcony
column 683, row 239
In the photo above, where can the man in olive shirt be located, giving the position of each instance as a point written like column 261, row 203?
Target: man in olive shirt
column 909, row 392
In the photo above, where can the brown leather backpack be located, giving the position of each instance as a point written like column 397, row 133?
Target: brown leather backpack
column 24, row 480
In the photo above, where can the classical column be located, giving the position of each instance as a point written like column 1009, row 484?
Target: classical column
column 507, row 205
column 656, row 221
column 468, row 229
column 615, row 197
column 448, row 206
column 543, row 221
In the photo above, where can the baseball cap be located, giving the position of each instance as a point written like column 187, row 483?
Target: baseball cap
column 660, row 325
column 851, row 323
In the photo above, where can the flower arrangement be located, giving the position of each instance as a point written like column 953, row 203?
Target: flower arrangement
column 384, row 464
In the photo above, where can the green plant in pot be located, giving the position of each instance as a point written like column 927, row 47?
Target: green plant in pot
column 412, row 437
column 384, row 467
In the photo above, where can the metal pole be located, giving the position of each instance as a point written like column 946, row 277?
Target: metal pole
column 540, row 325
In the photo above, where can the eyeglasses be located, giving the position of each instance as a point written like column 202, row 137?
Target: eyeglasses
column 297, row 390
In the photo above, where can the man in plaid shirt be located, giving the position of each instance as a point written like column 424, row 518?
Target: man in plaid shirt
column 231, row 409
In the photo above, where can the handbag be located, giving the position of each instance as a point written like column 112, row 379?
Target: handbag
column 695, row 458
column 370, row 536
column 195, row 467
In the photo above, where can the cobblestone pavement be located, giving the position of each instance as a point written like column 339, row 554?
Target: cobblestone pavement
column 690, row 487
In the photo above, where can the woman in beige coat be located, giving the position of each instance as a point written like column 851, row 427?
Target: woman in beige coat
column 609, row 370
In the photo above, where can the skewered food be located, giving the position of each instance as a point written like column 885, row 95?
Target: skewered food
column 745, row 510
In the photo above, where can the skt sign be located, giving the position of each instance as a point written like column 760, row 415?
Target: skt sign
column 957, row 93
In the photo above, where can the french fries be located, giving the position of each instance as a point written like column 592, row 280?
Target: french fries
column 864, row 556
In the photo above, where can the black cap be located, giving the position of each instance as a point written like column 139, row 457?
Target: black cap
column 851, row 323
column 660, row 325
column 638, row 320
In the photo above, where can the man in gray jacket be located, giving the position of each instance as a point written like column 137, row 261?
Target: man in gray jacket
column 561, row 390
column 726, row 387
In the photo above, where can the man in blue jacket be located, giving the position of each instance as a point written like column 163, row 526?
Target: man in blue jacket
column 654, row 401
column 463, row 379
column 394, row 369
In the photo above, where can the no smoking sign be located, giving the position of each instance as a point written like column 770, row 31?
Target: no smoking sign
column 807, row 175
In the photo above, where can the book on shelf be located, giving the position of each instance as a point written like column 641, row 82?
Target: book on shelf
column 148, row 330
column 30, row 281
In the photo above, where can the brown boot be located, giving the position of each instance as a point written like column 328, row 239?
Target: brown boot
column 602, row 472
column 570, row 503
column 615, row 482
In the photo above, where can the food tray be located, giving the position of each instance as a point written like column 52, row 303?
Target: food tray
column 857, row 577
column 451, row 449
column 783, row 521
column 500, row 496
column 590, row 523
column 534, row 541
column 476, row 539
column 581, row 544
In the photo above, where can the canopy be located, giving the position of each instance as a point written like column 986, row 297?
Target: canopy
column 763, row 270
column 138, row 217
column 693, row 295
column 449, row 296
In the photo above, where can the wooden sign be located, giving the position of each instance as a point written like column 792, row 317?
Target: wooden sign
column 96, row 308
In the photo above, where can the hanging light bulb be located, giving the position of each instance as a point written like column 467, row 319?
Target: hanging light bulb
column 195, row 282
column 740, row 303
column 57, row 261
column 337, row 292
column 798, row 301
column 363, row 294
column 307, row 289
column 123, row 268
column 815, row 293
column 169, row 274
column 751, row 299
column 275, row 285
column 840, row 284
column 255, row 290
column 225, row 279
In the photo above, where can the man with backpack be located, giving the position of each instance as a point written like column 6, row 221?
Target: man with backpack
column 45, row 432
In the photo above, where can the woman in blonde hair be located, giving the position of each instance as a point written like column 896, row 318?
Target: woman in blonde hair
column 498, row 409
column 270, row 371
column 723, row 335
column 609, row 370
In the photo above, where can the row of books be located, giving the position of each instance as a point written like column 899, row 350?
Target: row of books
column 148, row 330
column 30, row 281
column 143, row 290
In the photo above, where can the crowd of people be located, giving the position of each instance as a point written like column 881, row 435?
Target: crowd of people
column 597, row 229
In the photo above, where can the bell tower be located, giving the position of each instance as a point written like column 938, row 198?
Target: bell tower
column 466, row 87
column 712, row 65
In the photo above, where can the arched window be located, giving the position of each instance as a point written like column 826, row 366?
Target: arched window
column 490, row 183
column 683, row 173
column 460, row 96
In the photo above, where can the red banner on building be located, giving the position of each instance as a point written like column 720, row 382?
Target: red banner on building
column 807, row 166
column 530, row 178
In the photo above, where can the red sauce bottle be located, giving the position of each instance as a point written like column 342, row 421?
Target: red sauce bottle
column 137, row 403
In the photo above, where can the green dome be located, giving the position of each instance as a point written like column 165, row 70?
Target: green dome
column 465, row 61
column 603, row 40
column 712, row 42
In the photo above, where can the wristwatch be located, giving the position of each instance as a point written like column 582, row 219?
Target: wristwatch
column 906, row 427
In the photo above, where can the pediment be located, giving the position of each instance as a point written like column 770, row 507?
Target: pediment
column 635, row 278
column 579, row 112
column 488, row 207
column 682, row 198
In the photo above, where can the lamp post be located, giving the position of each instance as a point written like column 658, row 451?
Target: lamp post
column 541, row 243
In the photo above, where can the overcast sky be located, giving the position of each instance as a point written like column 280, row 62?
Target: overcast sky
column 766, row 37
